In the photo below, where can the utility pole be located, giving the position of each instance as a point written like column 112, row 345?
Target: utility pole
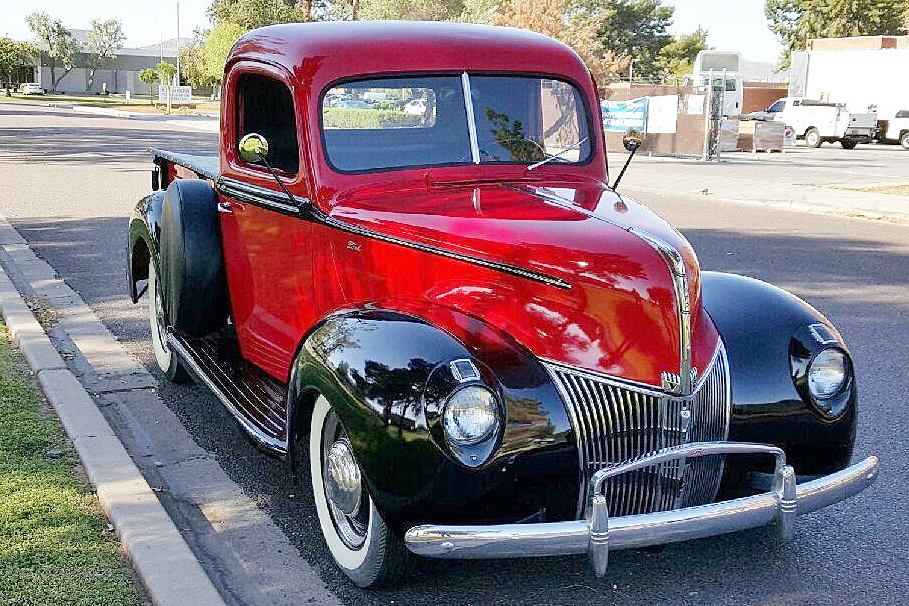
column 178, row 43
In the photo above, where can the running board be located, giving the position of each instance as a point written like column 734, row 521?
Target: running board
column 257, row 401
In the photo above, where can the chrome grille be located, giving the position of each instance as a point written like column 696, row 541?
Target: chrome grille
column 615, row 421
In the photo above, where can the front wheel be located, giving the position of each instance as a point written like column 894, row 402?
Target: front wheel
column 357, row 537
column 166, row 359
column 904, row 140
column 813, row 138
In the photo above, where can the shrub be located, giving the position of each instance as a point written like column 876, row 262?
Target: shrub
column 368, row 118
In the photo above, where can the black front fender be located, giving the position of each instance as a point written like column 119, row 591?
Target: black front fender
column 381, row 370
column 761, row 326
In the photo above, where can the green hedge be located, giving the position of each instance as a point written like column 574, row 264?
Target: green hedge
column 368, row 118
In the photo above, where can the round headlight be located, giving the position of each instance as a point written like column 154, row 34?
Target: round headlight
column 471, row 415
column 827, row 373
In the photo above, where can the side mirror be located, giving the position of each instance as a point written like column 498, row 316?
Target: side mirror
column 632, row 139
column 253, row 148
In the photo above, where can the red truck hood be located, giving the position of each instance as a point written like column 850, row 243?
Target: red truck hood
column 618, row 314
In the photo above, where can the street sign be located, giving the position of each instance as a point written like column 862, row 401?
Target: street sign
column 178, row 94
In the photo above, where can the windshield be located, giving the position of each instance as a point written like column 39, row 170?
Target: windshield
column 388, row 123
column 776, row 107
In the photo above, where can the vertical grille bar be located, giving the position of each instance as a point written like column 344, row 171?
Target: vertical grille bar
column 615, row 422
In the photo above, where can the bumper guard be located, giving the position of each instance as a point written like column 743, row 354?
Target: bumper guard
column 599, row 534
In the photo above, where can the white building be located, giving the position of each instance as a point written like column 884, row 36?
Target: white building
column 862, row 72
column 121, row 74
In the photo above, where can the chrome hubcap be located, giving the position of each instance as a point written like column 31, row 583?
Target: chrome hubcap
column 343, row 478
column 347, row 503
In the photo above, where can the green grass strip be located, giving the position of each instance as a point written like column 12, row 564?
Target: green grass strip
column 54, row 545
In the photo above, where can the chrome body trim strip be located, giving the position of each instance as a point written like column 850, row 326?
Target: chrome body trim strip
column 265, row 441
column 317, row 215
column 278, row 201
column 601, row 534
column 676, row 265
column 261, row 196
column 471, row 119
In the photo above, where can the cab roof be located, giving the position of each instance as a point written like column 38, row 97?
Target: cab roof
column 316, row 54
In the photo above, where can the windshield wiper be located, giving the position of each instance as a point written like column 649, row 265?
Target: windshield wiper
column 558, row 154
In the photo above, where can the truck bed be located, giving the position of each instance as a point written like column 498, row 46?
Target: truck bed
column 206, row 166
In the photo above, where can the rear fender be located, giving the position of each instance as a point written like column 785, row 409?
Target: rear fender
column 144, row 240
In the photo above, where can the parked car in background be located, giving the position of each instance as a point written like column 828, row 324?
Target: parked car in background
column 456, row 331
column 351, row 104
column 31, row 88
column 416, row 107
column 896, row 128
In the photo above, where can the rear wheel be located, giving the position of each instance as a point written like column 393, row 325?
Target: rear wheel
column 813, row 137
column 357, row 537
column 848, row 143
column 166, row 359
column 904, row 140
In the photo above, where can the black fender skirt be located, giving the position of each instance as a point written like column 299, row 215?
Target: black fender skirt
column 769, row 341
column 387, row 375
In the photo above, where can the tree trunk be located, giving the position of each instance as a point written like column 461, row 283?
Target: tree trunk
column 62, row 76
column 306, row 9
column 91, row 79
column 356, row 7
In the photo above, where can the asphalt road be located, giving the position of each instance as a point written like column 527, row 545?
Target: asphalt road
column 68, row 183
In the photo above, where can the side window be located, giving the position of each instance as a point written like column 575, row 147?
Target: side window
column 265, row 106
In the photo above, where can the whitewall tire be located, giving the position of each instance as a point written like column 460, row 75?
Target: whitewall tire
column 360, row 543
column 166, row 360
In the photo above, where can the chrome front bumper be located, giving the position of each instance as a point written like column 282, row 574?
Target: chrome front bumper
column 599, row 534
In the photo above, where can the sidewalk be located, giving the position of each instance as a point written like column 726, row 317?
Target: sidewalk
column 796, row 180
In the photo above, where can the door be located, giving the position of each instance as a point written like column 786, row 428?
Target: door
column 266, row 245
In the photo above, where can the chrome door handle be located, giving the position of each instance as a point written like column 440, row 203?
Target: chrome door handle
column 224, row 207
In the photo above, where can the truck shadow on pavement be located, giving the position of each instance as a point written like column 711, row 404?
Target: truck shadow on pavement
column 63, row 145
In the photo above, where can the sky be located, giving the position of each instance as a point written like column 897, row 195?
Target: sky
column 731, row 24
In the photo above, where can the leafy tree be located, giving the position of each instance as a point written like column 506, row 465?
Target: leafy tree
column 250, row 14
column 166, row 72
column 59, row 42
column 14, row 55
column 416, row 10
column 148, row 76
column 218, row 42
column 796, row 21
column 575, row 28
column 633, row 28
column 104, row 39
column 677, row 58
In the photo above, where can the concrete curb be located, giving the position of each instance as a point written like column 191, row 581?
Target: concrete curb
column 168, row 568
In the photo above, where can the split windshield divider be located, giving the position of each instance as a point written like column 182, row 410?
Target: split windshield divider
column 471, row 120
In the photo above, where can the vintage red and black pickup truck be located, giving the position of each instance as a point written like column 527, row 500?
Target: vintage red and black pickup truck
column 407, row 274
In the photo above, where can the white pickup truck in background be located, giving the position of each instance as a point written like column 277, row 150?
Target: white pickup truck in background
column 817, row 121
column 896, row 128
